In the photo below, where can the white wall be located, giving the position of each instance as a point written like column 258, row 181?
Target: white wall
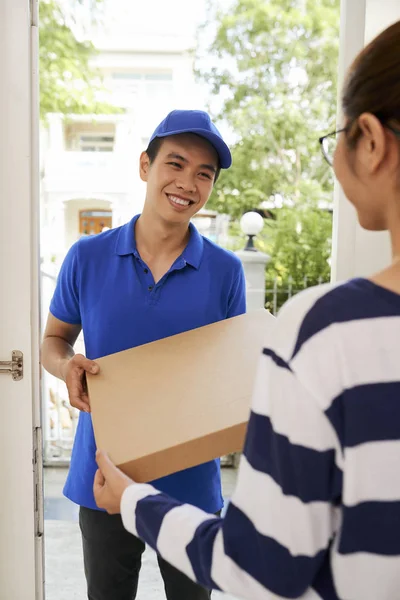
column 71, row 216
column 357, row 252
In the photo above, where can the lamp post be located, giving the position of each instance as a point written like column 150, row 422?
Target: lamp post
column 254, row 261
column 251, row 224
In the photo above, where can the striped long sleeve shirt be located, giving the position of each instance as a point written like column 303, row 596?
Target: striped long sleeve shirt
column 316, row 511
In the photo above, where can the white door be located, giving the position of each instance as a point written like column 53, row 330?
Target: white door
column 21, row 532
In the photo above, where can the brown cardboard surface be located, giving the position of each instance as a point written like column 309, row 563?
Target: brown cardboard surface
column 180, row 401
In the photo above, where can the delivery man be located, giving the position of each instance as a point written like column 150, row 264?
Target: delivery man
column 154, row 277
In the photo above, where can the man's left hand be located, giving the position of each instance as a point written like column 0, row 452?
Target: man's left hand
column 109, row 484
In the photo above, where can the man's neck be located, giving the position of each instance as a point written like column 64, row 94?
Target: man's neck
column 155, row 237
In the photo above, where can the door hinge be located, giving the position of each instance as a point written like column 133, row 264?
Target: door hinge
column 38, row 480
column 34, row 12
column 15, row 366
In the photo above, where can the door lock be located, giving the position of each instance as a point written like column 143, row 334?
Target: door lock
column 15, row 366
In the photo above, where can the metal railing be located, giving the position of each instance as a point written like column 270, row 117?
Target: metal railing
column 59, row 417
column 278, row 291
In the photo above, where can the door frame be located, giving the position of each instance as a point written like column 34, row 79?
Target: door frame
column 21, row 500
column 37, row 393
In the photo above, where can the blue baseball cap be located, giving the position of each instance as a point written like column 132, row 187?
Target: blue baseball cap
column 195, row 121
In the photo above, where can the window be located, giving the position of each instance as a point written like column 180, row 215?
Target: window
column 90, row 137
column 125, row 86
column 139, row 76
column 158, row 76
column 96, row 143
column 145, row 86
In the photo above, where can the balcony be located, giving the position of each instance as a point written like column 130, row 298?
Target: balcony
column 87, row 173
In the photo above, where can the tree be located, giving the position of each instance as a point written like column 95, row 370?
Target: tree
column 68, row 82
column 274, row 65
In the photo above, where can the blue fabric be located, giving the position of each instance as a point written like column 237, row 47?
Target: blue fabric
column 258, row 555
column 157, row 513
column 354, row 300
column 265, row 559
column 379, row 422
column 310, row 475
column 371, row 527
column 104, row 285
column 278, row 360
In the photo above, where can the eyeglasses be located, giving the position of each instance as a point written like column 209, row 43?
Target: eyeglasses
column 328, row 144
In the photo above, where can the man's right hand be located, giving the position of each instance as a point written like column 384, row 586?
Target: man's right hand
column 73, row 372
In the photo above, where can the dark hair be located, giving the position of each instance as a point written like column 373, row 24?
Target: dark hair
column 154, row 147
column 373, row 83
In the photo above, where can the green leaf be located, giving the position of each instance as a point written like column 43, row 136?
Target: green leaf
column 68, row 82
column 275, row 67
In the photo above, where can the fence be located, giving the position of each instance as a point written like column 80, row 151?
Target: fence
column 277, row 292
column 59, row 417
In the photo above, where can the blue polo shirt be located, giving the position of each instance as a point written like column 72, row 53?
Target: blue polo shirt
column 105, row 286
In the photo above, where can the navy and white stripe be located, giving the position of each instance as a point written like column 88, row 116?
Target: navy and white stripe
column 316, row 511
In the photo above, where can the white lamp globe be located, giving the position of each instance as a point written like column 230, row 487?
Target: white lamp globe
column 203, row 224
column 251, row 223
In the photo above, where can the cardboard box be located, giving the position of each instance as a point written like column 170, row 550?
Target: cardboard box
column 180, row 401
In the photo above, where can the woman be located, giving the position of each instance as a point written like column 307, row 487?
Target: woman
column 316, row 511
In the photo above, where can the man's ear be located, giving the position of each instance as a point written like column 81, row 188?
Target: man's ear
column 144, row 166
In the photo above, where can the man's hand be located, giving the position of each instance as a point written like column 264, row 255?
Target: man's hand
column 73, row 372
column 109, row 484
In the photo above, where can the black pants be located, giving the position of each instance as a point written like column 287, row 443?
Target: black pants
column 113, row 557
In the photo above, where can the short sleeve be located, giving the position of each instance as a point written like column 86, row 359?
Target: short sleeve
column 237, row 298
column 65, row 302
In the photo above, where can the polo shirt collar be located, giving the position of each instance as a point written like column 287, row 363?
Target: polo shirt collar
column 192, row 254
column 126, row 243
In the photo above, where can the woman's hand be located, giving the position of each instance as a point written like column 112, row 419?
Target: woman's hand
column 109, row 484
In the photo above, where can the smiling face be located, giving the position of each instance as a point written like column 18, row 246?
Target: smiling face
column 181, row 177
